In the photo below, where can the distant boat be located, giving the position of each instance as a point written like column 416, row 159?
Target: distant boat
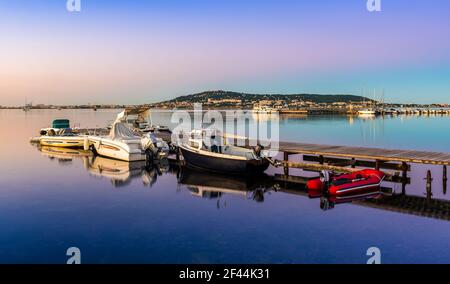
column 27, row 106
column 220, row 157
column 292, row 111
column 390, row 111
column 367, row 112
column 264, row 109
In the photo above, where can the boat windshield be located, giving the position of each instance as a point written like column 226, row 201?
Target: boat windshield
column 122, row 131
column 239, row 151
column 67, row 132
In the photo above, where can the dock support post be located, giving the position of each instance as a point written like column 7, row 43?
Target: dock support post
column 286, row 167
column 377, row 165
column 404, row 177
column 321, row 160
column 429, row 181
column 444, row 180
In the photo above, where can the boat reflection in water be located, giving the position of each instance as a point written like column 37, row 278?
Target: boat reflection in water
column 214, row 186
column 121, row 173
column 328, row 201
column 66, row 155
column 252, row 188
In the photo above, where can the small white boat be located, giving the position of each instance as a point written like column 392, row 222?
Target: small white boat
column 59, row 135
column 124, row 144
column 61, row 138
column 367, row 112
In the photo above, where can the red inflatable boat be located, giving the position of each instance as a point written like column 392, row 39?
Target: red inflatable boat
column 359, row 182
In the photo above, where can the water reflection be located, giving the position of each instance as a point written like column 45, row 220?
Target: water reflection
column 65, row 205
column 328, row 201
column 120, row 173
column 65, row 155
column 216, row 186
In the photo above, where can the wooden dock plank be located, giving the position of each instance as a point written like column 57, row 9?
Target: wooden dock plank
column 411, row 156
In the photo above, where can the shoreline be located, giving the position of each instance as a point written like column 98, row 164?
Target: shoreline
column 311, row 111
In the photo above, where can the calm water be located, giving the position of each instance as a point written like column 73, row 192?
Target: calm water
column 116, row 212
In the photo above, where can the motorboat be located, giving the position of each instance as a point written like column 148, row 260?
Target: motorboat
column 208, row 150
column 60, row 134
column 124, row 144
column 64, row 138
column 357, row 183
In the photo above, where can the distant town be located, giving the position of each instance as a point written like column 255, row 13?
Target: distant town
column 282, row 103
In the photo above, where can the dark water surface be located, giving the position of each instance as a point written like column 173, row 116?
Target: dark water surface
column 117, row 212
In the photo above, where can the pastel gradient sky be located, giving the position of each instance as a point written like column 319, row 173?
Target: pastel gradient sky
column 139, row 51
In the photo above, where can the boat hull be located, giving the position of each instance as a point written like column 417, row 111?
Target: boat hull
column 115, row 150
column 61, row 141
column 218, row 164
column 352, row 184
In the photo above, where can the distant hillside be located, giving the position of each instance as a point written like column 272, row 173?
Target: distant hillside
column 220, row 95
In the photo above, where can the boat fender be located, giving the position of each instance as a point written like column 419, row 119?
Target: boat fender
column 51, row 132
column 86, row 143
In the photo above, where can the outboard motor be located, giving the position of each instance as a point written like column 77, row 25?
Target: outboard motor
column 154, row 147
column 258, row 148
column 325, row 203
column 325, row 178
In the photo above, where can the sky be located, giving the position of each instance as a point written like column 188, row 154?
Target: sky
column 143, row 51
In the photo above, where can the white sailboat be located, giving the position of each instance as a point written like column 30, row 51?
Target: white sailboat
column 370, row 111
